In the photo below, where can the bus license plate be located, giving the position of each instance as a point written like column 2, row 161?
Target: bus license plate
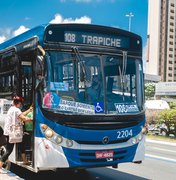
column 104, row 154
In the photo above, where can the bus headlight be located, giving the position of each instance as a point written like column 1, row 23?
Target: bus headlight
column 139, row 137
column 58, row 139
column 44, row 127
column 49, row 133
column 133, row 140
column 69, row 143
column 52, row 136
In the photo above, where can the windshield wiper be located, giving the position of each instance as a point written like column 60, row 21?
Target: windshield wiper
column 122, row 71
column 82, row 66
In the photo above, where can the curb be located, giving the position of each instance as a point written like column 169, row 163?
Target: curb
column 8, row 175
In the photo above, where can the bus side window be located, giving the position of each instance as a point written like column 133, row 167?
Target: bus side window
column 26, row 77
column 9, row 76
column 26, row 81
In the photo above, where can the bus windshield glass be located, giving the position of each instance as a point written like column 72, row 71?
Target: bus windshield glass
column 86, row 83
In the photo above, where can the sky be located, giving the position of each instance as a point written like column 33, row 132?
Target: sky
column 17, row 16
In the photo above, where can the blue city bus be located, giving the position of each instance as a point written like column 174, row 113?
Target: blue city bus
column 86, row 85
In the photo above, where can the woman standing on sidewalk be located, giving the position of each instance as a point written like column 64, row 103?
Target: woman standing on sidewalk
column 19, row 116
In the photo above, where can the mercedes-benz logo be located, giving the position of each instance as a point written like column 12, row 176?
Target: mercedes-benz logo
column 105, row 140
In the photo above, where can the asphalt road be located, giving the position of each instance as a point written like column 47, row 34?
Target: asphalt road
column 159, row 164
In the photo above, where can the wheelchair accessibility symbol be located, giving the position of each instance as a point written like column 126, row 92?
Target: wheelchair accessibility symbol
column 99, row 107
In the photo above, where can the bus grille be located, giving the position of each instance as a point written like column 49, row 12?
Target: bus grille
column 101, row 125
column 100, row 142
column 93, row 158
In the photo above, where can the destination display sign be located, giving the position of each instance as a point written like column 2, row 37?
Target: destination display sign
column 92, row 35
column 96, row 39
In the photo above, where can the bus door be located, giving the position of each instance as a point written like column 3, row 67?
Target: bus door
column 26, row 82
column 26, row 91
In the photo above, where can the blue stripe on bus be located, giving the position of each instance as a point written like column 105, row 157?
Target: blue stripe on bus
column 82, row 134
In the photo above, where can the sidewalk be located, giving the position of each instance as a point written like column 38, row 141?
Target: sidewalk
column 160, row 142
column 8, row 175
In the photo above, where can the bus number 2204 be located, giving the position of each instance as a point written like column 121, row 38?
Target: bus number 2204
column 124, row 133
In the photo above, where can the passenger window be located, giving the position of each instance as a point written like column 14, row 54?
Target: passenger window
column 9, row 76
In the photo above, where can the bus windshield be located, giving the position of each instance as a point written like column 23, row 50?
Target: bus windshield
column 87, row 83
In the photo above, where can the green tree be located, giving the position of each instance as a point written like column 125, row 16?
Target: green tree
column 149, row 90
column 172, row 104
column 168, row 117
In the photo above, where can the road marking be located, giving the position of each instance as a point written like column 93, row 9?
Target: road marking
column 160, row 158
column 161, row 142
column 161, row 149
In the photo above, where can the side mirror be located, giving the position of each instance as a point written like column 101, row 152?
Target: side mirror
column 41, row 51
column 40, row 61
column 39, row 65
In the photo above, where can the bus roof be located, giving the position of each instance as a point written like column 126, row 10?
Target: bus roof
column 40, row 30
column 37, row 31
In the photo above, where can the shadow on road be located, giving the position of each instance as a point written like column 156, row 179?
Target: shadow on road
column 112, row 174
column 89, row 174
